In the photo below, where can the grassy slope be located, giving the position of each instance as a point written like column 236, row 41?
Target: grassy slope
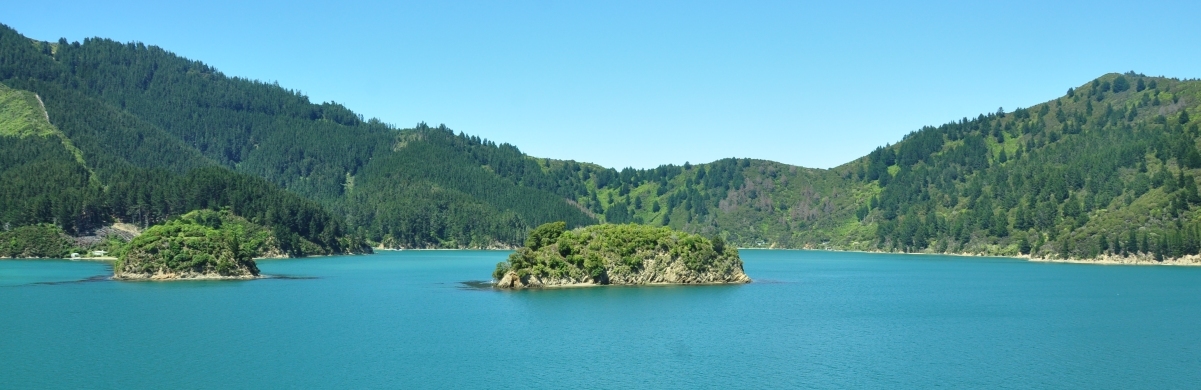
column 22, row 114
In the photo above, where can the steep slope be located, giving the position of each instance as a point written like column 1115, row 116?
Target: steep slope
column 323, row 152
column 22, row 114
column 1106, row 170
column 80, row 163
column 43, row 177
column 429, row 191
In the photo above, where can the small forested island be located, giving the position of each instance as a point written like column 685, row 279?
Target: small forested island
column 202, row 244
column 610, row 254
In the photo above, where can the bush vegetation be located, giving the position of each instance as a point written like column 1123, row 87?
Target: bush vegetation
column 200, row 242
column 35, row 241
column 600, row 252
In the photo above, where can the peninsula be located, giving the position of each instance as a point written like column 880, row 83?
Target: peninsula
column 610, row 254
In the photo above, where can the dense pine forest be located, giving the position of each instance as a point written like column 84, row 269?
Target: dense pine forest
column 75, row 162
column 97, row 132
column 1107, row 169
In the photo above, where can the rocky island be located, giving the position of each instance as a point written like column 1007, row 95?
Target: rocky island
column 202, row 244
column 610, row 254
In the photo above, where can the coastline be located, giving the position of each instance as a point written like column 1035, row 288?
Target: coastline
column 97, row 259
column 443, row 249
column 1144, row 260
column 1139, row 260
column 493, row 283
column 168, row 277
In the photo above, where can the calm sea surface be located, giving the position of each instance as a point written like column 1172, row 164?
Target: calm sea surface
column 404, row 320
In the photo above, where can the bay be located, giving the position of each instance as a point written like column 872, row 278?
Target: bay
column 812, row 319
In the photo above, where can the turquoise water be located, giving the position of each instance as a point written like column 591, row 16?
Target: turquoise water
column 404, row 320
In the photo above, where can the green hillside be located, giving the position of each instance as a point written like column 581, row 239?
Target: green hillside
column 93, row 164
column 22, row 115
column 420, row 187
column 43, row 177
column 1106, row 169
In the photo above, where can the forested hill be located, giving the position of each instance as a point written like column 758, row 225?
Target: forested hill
column 1108, row 168
column 145, row 119
column 70, row 159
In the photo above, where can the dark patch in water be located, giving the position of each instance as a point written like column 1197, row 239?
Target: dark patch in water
column 105, row 278
column 97, row 278
column 261, row 277
column 287, row 277
column 477, row 285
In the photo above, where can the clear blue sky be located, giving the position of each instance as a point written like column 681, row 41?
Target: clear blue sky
column 644, row 83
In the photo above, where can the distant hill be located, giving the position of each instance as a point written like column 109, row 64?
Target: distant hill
column 145, row 118
column 94, row 163
column 1078, row 176
column 1107, row 169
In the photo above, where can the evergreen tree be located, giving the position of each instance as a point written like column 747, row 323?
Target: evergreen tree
column 1121, row 84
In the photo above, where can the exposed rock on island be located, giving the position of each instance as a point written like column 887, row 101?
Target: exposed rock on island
column 618, row 255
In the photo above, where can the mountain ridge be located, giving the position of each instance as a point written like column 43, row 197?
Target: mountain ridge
column 984, row 185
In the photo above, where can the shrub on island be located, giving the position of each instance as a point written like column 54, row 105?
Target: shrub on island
column 202, row 244
column 610, row 254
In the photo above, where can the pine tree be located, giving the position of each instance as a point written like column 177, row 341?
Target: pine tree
column 1120, row 84
column 1161, row 248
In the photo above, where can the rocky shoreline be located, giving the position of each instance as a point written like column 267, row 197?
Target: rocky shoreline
column 656, row 272
column 163, row 275
column 1141, row 259
column 1134, row 259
